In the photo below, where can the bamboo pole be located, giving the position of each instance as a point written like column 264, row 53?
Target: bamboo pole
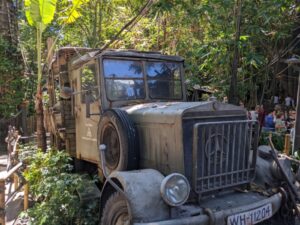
column 16, row 181
column 287, row 144
column 26, row 192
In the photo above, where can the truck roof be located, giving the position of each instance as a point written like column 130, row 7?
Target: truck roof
column 92, row 53
column 140, row 54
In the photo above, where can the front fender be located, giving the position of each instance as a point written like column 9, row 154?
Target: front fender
column 142, row 189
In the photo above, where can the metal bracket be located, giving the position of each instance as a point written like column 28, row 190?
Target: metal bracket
column 102, row 149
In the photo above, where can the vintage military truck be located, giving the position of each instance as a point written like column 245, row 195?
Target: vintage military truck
column 165, row 161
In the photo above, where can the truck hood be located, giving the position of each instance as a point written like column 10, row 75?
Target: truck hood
column 163, row 127
column 169, row 112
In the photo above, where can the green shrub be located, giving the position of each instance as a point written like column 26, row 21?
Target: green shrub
column 55, row 191
column 277, row 139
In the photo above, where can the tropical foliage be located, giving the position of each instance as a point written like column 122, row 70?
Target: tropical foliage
column 55, row 189
column 203, row 32
column 11, row 83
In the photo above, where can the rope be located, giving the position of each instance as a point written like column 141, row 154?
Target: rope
column 142, row 12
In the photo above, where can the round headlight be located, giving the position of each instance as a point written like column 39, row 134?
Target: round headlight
column 175, row 189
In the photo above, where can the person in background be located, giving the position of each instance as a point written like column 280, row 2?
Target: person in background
column 254, row 113
column 275, row 100
column 289, row 119
column 241, row 103
column 279, row 123
column 257, row 109
column 277, row 109
column 288, row 105
column 269, row 124
column 289, row 102
column 292, row 135
column 261, row 116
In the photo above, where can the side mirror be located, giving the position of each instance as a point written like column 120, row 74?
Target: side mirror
column 102, row 150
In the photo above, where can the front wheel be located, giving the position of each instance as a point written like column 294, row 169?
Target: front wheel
column 115, row 211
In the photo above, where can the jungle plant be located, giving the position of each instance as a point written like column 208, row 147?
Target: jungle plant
column 277, row 139
column 11, row 91
column 55, row 189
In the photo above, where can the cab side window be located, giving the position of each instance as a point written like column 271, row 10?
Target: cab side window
column 88, row 82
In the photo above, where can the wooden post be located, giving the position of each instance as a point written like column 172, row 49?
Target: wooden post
column 270, row 135
column 26, row 192
column 3, row 178
column 297, row 123
column 2, row 202
column 16, row 181
column 287, row 144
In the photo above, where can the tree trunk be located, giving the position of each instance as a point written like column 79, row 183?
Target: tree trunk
column 40, row 128
column 233, row 95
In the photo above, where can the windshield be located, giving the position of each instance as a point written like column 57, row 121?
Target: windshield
column 164, row 80
column 125, row 79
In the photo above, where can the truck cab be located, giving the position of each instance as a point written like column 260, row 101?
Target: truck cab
column 167, row 161
column 119, row 80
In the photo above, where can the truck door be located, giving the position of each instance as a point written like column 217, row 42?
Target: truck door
column 84, row 81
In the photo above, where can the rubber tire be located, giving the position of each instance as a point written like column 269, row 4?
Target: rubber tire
column 115, row 206
column 116, row 123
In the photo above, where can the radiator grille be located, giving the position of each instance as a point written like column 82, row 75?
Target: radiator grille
column 224, row 154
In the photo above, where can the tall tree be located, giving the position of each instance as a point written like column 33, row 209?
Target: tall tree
column 233, row 95
column 40, row 13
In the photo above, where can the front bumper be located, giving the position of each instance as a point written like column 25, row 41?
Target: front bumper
column 219, row 217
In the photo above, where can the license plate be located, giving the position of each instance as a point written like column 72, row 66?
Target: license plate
column 251, row 217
